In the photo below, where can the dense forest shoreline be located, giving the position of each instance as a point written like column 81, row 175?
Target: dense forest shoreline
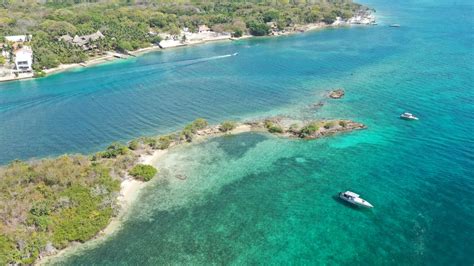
column 113, row 57
column 68, row 34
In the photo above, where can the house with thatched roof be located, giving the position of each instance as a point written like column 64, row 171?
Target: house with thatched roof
column 87, row 42
column 203, row 28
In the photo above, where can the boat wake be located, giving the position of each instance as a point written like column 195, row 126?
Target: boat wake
column 172, row 65
column 212, row 58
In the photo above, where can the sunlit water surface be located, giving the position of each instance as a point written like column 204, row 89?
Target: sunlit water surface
column 253, row 198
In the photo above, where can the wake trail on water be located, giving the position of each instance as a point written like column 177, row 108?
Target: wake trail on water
column 145, row 69
column 195, row 60
column 158, row 68
column 186, row 62
column 168, row 67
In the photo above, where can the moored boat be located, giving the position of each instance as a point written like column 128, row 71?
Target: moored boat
column 395, row 25
column 355, row 199
column 408, row 116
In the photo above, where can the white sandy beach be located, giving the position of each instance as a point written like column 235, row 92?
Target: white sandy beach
column 130, row 189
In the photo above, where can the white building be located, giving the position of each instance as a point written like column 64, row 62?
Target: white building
column 19, row 38
column 23, row 59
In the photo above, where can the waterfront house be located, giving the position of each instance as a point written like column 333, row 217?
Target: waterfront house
column 203, row 29
column 86, row 42
column 23, row 60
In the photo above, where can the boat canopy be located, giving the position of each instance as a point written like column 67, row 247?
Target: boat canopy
column 351, row 194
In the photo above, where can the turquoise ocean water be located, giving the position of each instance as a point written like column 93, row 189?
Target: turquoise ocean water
column 259, row 199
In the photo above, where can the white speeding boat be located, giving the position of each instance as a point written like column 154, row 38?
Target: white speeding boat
column 355, row 199
column 408, row 116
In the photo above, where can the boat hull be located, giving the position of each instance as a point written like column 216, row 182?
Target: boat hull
column 409, row 118
column 356, row 201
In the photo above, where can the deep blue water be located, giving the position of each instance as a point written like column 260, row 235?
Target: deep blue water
column 253, row 198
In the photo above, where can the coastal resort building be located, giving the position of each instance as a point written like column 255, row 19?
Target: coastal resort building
column 12, row 44
column 203, row 29
column 273, row 28
column 23, row 60
column 86, row 42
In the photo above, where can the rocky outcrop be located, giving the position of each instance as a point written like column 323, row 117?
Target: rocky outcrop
column 337, row 94
column 292, row 128
column 281, row 126
column 332, row 127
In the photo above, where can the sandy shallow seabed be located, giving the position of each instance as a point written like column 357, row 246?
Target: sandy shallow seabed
column 129, row 191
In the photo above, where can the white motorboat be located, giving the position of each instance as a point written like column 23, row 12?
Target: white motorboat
column 355, row 199
column 408, row 116
column 395, row 25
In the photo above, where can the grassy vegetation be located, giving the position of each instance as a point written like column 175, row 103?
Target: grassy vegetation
column 329, row 124
column 114, row 150
column 272, row 127
column 52, row 202
column 143, row 172
column 190, row 129
column 309, row 129
column 129, row 25
column 294, row 128
column 227, row 126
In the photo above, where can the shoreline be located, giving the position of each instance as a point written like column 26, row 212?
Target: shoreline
column 111, row 56
column 130, row 188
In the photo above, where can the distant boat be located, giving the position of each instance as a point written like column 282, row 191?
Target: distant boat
column 234, row 54
column 355, row 199
column 395, row 25
column 408, row 116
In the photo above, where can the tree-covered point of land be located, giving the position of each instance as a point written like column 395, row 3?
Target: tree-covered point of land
column 129, row 25
column 48, row 203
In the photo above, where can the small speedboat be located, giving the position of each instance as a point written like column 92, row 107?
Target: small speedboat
column 355, row 199
column 395, row 25
column 408, row 116
column 234, row 54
